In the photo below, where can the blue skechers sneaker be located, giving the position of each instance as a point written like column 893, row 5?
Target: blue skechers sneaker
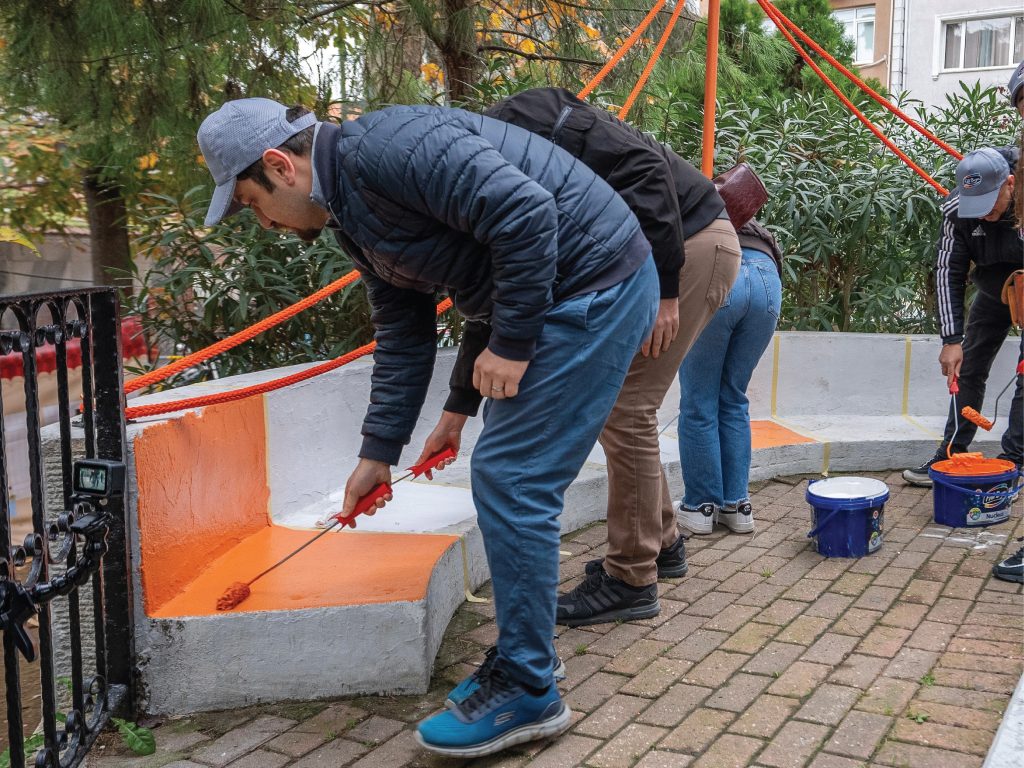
column 498, row 715
column 465, row 689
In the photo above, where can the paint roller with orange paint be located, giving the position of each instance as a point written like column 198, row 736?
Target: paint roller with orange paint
column 235, row 594
column 973, row 416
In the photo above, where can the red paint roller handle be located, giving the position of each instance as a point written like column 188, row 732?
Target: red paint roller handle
column 431, row 462
column 954, row 388
column 367, row 502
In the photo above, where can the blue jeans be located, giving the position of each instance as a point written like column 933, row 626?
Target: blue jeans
column 714, row 419
column 533, row 446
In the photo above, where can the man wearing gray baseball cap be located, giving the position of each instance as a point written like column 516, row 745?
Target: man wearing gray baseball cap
column 977, row 231
column 530, row 245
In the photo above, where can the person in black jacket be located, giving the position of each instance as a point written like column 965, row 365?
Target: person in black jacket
column 978, row 230
column 697, row 256
column 524, row 239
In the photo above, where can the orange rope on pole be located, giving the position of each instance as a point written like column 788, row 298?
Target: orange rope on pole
column 680, row 5
column 769, row 9
column 596, row 81
column 242, row 336
column 707, row 164
column 857, row 81
column 157, row 409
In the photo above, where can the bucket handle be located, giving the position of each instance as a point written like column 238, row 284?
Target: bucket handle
column 822, row 523
column 977, row 496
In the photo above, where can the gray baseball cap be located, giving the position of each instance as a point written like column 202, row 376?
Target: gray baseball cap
column 979, row 177
column 236, row 136
column 1016, row 82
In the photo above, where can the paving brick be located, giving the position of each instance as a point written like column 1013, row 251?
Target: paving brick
column 936, row 571
column 567, row 750
column 750, row 638
column 963, row 587
column 692, row 589
column 904, row 615
column 850, row 584
column 333, row 721
column 883, row 641
column 716, row 669
column 961, row 716
column 729, row 751
column 242, row 740
column 927, row 734
column 1004, row 650
column 677, row 628
column 711, row 604
column 627, row 747
column 829, row 606
column 774, row 659
column 912, row 756
column 720, row 571
column 828, row 704
column 732, row 617
column 738, row 692
column 617, row 639
column 887, row 696
column 595, row 691
column 857, row 622
column 800, row 679
column 830, row 649
column 806, row 590
column 975, row 681
column 296, row 743
column 261, row 759
column 949, row 610
column 859, row 734
column 740, row 583
column 823, row 760
column 579, row 669
column 921, row 591
column 636, row 657
column 660, row 759
column 656, row 677
column 911, row 664
column 830, row 569
column 894, row 577
column 697, row 731
column 765, row 716
column 958, row 697
column 675, row 704
column 781, row 612
column 793, row 746
column 804, row 630
column 375, row 730
column 762, row 595
column 931, row 636
column 877, row 598
column 397, row 751
column 332, row 754
column 607, row 719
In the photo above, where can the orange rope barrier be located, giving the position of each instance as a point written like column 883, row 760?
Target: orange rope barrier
column 652, row 61
column 596, row 81
column 242, row 336
column 157, row 409
column 857, row 81
column 769, row 9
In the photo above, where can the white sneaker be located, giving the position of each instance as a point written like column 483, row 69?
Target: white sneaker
column 699, row 521
column 738, row 520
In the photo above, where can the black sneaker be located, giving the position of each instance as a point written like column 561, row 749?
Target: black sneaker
column 920, row 476
column 1012, row 568
column 601, row 598
column 671, row 562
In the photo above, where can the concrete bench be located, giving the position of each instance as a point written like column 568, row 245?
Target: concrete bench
column 222, row 493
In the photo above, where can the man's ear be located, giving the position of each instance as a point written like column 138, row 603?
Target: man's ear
column 278, row 163
column 1012, row 181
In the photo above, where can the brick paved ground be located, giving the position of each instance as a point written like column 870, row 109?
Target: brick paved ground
column 766, row 654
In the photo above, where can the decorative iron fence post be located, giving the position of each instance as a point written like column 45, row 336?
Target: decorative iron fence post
column 84, row 542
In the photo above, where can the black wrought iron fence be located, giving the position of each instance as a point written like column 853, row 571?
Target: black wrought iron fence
column 70, row 574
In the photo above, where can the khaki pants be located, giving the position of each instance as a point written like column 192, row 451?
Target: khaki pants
column 641, row 515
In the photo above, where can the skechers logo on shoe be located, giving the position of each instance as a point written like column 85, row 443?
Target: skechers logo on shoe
column 504, row 717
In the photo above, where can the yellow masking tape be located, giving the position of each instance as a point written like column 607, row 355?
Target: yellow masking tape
column 470, row 597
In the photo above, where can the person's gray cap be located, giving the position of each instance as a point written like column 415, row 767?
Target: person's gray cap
column 236, row 136
column 1016, row 82
column 979, row 177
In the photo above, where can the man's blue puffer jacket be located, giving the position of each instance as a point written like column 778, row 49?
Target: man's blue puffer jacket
column 428, row 199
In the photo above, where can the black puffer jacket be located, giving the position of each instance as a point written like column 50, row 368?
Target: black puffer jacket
column 427, row 199
column 671, row 198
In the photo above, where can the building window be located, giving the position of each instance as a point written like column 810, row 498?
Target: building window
column 859, row 29
column 980, row 43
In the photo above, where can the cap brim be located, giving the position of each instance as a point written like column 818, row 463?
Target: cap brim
column 978, row 206
column 223, row 203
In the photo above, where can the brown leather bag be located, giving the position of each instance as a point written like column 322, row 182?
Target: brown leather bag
column 743, row 193
column 1013, row 297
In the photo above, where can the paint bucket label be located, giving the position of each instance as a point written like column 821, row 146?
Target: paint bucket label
column 989, row 510
column 875, row 527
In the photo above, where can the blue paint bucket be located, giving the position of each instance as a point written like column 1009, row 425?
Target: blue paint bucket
column 848, row 514
column 970, row 494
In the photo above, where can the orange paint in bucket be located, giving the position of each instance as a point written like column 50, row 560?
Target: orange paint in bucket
column 970, row 490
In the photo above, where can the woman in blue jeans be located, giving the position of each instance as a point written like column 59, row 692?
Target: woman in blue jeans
column 714, row 420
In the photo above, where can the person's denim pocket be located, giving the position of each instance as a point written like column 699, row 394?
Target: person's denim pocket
column 772, row 287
